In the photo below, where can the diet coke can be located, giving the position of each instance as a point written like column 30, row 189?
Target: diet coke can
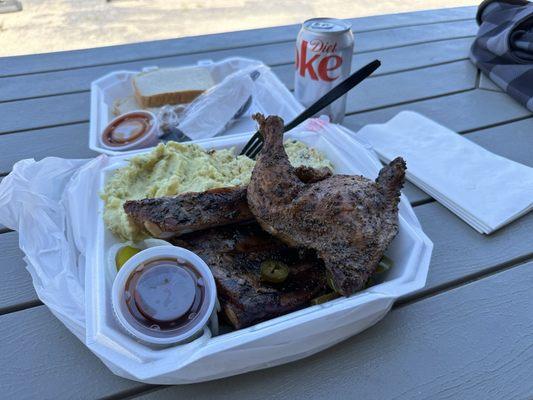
column 324, row 50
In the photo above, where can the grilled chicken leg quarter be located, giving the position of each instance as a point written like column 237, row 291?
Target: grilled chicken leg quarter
column 349, row 220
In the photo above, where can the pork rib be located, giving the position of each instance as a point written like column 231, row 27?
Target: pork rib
column 164, row 217
column 234, row 254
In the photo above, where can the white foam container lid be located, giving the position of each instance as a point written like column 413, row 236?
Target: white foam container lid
column 279, row 340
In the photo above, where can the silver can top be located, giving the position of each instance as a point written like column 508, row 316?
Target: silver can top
column 326, row 25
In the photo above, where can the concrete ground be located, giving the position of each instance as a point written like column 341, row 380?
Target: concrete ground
column 55, row 25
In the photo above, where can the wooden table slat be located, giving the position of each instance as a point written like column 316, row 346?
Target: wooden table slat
column 76, row 80
column 404, row 87
column 71, row 141
column 114, row 54
column 475, row 109
column 513, row 141
column 16, row 288
column 399, row 59
column 452, row 345
column 375, row 92
column 40, row 358
column 472, row 341
column 459, row 250
column 44, row 112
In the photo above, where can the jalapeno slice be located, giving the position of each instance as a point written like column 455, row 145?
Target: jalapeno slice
column 274, row 271
column 325, row 298
column 124, row 254
column 384, row 265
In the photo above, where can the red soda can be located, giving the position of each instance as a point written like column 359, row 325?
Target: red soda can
column 324, row 49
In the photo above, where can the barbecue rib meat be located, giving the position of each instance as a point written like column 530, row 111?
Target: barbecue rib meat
column 164, row 217
column 348, row 220
column 235, row 253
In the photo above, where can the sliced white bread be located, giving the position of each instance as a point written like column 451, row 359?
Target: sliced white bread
column 171, row 85
column 127, row 104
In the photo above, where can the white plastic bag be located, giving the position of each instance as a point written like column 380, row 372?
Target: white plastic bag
column 213, row 111
column 240, row 82
column 44, row 202
column 269, row 96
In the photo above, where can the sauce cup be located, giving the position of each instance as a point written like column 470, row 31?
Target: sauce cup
column 164, row 295
column 132, row 130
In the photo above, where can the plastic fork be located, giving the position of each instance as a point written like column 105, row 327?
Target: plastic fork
column 255, row 144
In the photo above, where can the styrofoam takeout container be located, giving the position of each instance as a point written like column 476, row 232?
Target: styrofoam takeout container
column 279, row 340
column 277, row 99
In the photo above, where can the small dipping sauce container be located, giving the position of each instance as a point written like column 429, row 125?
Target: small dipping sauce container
column 164, row 295
column 132, row 130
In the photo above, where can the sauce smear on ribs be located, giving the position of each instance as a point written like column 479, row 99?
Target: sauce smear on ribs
column 348, row 220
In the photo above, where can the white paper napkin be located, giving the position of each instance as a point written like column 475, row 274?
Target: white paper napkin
column 485, row 190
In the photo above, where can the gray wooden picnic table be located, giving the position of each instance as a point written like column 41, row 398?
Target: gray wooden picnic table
column 468, row 334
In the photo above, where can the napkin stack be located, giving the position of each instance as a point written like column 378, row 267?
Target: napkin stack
column 485, row 190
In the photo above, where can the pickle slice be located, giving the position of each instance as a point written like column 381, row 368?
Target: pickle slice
column 385, row 264
column 124, row 254
column 274, row 271
column 325, row 298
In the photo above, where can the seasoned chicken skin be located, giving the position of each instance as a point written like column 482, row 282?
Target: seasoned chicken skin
column 348, row 220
